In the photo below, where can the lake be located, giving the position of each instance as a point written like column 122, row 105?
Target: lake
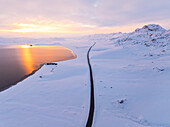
column 18, row 62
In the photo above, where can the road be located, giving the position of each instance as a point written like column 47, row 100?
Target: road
column 92, row 102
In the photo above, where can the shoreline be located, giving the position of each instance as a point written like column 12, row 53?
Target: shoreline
column 20, row 80
column 32, row 73
column 11, row 78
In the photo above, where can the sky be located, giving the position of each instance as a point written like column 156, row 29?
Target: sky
column 48, row 18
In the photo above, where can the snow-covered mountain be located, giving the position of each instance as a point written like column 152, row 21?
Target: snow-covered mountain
column 151, row 28
column 153, row 36
column 148, row 33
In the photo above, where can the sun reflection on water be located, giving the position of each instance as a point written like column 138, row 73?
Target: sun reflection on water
column 27, row 58
column 32, row 57
column 19, row 61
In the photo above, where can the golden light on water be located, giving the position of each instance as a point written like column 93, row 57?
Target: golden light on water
column 19, row 61
column 27, row 58
column 32, row 57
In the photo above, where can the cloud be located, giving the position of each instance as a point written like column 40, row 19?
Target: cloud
column 99, row 13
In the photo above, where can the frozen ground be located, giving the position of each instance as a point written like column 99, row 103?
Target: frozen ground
column 131, row 77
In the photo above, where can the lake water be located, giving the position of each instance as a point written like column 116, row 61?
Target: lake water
column 17, row 62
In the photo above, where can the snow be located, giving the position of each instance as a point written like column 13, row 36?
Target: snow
column 151, row 28
column 131, row 68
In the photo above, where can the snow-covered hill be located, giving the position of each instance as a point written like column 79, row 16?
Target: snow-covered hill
column 131, row 77
column 133, row 68
column 150, row 40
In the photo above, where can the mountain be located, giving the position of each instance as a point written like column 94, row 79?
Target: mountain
column 151, row 28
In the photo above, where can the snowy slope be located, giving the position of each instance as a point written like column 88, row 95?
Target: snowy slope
column 131, row 77
column 60, row 98
column 136, row 71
